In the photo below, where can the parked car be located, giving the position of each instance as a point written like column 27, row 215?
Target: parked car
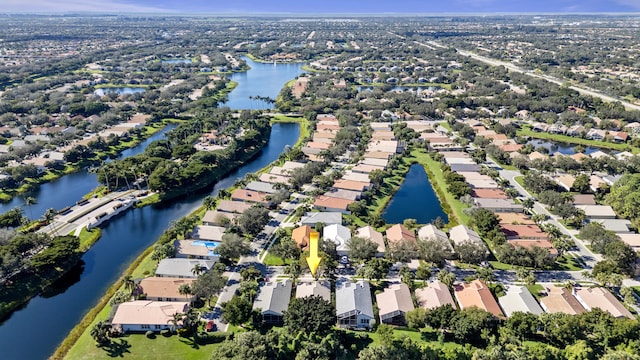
column 211, row 326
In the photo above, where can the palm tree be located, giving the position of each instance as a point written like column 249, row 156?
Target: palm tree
column 209, row 202
column 185, row 290
column 48, row 216
column 175, row 320
column 129, row 284
column 100, row 333
column 198, row 269
column 29, row 200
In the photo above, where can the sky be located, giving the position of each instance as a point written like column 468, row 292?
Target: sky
column 323, row 6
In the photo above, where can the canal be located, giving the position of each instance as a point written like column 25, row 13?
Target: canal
column 68, row 189
column 415, row 199
column 34, row 331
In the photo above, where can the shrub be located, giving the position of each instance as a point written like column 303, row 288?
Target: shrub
column 150, row 334
column 165, row 333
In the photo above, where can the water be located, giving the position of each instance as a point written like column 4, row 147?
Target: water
column 119, row 90
column 68, row 189
column 122, row 240
column 177, row 61
column 416, row 89
column 563, row 148
column 263, row 79
column 415, row 199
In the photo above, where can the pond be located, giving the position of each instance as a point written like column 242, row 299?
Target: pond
column 119, row 90
column 264, row 80
column 415, row 89
column 415, row 199
column 563, row 148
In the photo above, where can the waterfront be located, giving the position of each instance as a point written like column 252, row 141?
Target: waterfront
column 119, row 90
column 121, row 242
column 415, row 199
column 68, row 189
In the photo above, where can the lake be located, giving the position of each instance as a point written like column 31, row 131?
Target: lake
column 563, row 148
column 415, row 199
column 51, row 317
column 177, row 61
column 68, row 189
column 119, row 90
column 264, row 79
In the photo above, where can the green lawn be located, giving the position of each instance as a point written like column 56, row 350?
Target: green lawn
column 567, row 263
column 536, row 290
column 138, row 346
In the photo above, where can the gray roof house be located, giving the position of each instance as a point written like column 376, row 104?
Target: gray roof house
column 354, row 307
column 394, row 302
column 261, row 187
column 182, row 268
column 519, row 299
column 208, row 232
column 272, row 300
column 499, row 205
column 320, row 288
column 325, row 217
column 430, row 232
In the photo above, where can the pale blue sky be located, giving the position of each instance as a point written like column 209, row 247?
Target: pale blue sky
column 323, row 6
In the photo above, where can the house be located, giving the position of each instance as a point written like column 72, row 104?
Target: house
column 602, row 299
column 515, row 219
column 351, row 185
column 274, row 179
column 597, row 211
column 233, row 206
column 145, row 315
column 272, row 301
column 430, row 232
column 196, row 249
column 320, row 288
column 530, row 244
column 182, row 268
column 398, row 233
column 165, row 289
column 595, row 134
column 519, row 299
column 328, row 203
column 480, row 183
column 632, row 240
column 219, row 218
column 489, row 194
column 576, row 130
column 260, row 186
column 339, row 235
column 584, row 199
column 250, row 196
column 323, row 217
column 208, row 233
column 434, row 295
column 344, row 194
column 560, row 300
column 499, row 205
column 301, row 236
column 618, row 226
column 350, row 175
column 369, row 233
column 476, row 293
column 599, row 155
column 366, row 169
column 393, row 303
column 566, row 181
column 375, row 162
column 461, row 234
column 354, row 307
column 530, row 232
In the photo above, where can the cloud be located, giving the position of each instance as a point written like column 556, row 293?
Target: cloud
column 634, row 4
column 48, row 6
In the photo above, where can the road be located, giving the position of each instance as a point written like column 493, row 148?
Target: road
column 588, row 258
column 512, row 67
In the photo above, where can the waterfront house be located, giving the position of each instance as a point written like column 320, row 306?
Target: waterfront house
column 233, row 206
column 208, row 233
column 145, row 315
column 250, row 196
column 165, row 289
column 324, row 217
column 393, row 303
column 399, row 232
column 272, row 301
column 430, row 232
column 196, row 249
column 182, row 268
column 498, row 205
column 460, row 234
column 354, row 307
column 334, row 204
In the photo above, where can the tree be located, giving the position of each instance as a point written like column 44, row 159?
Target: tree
column 522, row 325
column 310, row 315
column 361, row 249
column 581, row 184
column 423, row 272
column 447, row 278
column 245, row 345
column 375, row 269
column 526, row 275
column 208, row 285
column 407, row 276
column 286, row 248
column 253, row 220
column 434, row 251
column 209, row 202
column 251, row 273
column 469, row 324
column 198, row 269
column 129, row 284
column 100, row 333
column 185, row 290
column 30, row 200
column 404, row 250
column 233, row 247
column 484, row 220
column 622, row 255
column 471, row 252
column 236, row 311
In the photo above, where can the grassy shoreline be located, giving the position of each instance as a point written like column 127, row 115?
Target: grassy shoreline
column 82, row 328
column 577, row 141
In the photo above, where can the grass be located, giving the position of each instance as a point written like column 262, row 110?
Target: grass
column 567, row 262
column 576, row 141
column 536, row 290
column 89, row 237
